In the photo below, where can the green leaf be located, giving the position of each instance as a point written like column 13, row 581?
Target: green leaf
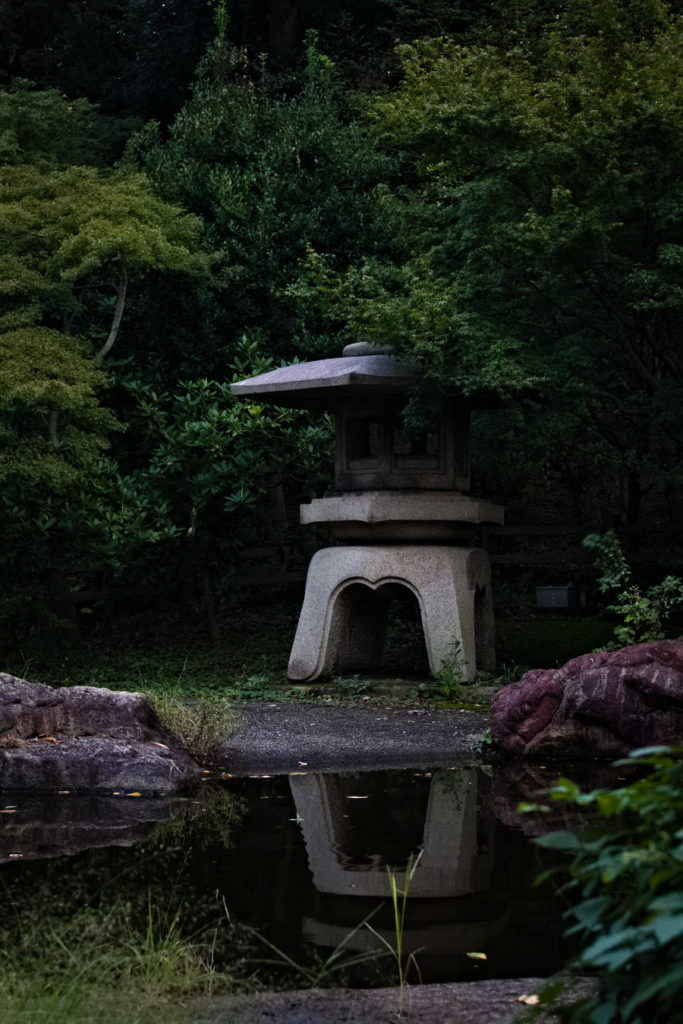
column 667, row 927
column 560, row 841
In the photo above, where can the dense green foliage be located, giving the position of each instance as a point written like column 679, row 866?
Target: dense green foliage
column 539, row 253
column 498, row 198
column 628, row 878
column 271, row 174
column 70, row 235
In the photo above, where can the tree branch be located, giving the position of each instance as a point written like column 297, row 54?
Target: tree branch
column 121, row 288
column 52, row 424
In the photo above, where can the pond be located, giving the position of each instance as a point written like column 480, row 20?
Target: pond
column 300, row 862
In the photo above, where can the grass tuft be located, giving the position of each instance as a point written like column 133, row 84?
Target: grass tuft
column 199, row 725
column 99, row 967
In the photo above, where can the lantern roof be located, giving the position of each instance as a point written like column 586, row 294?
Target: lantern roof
column 362, row 369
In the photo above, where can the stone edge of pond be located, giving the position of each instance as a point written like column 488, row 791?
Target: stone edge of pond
column 494, row 1001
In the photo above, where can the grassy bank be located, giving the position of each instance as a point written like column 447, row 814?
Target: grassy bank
column 163, row 656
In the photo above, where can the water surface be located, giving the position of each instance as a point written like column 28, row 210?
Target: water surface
column 304, row 859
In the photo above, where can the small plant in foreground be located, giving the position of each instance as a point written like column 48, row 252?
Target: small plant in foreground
column 629, row 879
column 351, row 686
column 100, row 967
column 450, row 676
column 643, row 611
column 486, row 743
column 325, row 971
column 509, row 672
column 399, row 903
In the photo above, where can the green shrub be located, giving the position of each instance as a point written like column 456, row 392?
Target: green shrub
column 643, row 612
column 628, row 876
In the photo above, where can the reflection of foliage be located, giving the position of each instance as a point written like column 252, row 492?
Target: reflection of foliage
column 629, row 880
column 76, row 929
column 643, row 612
column 208, row 819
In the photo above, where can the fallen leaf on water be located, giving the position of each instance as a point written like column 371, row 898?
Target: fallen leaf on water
column 365, row 797
column 532, row 1000
column 303, row 764
column 16, row 855
column 9, row 810
column 225, row 775
column 63, row 792
column 476, row 956
column 133, row 794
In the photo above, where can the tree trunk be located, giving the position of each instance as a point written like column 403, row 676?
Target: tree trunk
column 121, row 289
column 52, row 425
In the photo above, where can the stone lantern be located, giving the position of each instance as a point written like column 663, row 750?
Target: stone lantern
column 399, row 518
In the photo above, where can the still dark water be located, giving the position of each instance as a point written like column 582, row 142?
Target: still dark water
column 303, row 860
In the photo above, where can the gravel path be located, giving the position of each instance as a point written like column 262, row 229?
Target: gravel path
column 478, row 1002
column 281, row 737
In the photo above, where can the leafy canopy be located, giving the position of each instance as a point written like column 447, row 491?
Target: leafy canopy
column 536, row 250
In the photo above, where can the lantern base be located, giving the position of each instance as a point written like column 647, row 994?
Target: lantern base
column 348, row 589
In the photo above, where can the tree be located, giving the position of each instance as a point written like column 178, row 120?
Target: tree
column 270, row 173
column 38, row 126
column 69, row 237
column 81, row 247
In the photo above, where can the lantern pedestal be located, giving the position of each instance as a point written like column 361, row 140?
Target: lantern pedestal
column 348, row 589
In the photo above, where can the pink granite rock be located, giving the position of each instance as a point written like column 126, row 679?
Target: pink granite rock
column 605, row 703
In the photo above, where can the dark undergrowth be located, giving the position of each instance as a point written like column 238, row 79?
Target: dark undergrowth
column 159, row 653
